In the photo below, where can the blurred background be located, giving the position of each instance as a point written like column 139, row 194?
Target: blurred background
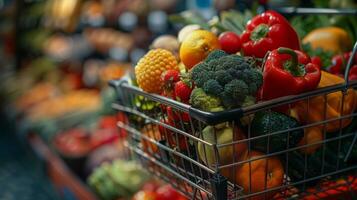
column 56, row 58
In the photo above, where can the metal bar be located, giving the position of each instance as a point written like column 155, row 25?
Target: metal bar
column 287, row 150
column 298, row 182
column 156, row 162
column 128, row 128
column 157, row 98
column 286, row 130
column 312, row 11
column 126, row 109
column 349, row 64
column 294, row 98
column 224, row 115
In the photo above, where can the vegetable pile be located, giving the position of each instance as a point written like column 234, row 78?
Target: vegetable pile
column 229, row 77
column 222, row 66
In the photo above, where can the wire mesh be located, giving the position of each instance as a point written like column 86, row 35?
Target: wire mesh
column 189, row 153
column 276, row 149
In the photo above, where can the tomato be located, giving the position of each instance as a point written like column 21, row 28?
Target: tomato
column 230, row 42
column 167, row 192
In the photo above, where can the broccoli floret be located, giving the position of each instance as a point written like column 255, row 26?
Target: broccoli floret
column 223, row 77
column 212, row 87
column 229, row 77
column 201, row 100
column 215, row 54
column 235, row 92
column 201, row 73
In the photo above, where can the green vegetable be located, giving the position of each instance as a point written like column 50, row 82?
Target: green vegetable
column 215, row 55
column 232, row 21
column 118, row 179
column 229, row 77
column 270, row 122
column 325, row 56
column 189, row 17
column 199, row 99
column 305, row 24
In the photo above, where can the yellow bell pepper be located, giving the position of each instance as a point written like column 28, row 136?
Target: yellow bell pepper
column 314, row 110
column 331, row 38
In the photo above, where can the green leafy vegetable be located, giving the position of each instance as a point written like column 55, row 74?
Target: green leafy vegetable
column 325, row 56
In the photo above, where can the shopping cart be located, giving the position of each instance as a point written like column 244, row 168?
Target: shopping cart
column 200, row 153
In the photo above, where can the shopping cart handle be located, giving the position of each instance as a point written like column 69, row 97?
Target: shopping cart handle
column 115, row 83
column 212, row 118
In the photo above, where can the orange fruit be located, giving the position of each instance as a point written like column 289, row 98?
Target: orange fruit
column 151, row 131
column 312, row 135
column 259, row 175
column 149, row 69
column 196, row 46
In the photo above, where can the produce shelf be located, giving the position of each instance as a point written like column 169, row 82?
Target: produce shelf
column 68, row 184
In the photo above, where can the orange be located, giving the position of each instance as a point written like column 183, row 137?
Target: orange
column 259, row 175
column 196, row 46
column 149, row 69
column 312, row 135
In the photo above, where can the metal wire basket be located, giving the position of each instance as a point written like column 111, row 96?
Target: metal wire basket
column 213, row 166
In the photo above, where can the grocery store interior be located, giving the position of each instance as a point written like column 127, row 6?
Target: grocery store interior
column 178, row 99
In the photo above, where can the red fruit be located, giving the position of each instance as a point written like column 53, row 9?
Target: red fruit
column 230, row 42
column 145, row 195
column 352, row 75
column 169, row 93
column 107, row 122
column 182, row 91
column 316, row 60
column 170, row 114
column 104, row 136
column 164, row 130
column 169, row 78
column 175, row 115
column 151, row 186
column 167, row 192
column 170, row 136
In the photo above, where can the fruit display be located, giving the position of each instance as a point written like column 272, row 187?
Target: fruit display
column 232, row 65
column 57, row 91
column 78, row 101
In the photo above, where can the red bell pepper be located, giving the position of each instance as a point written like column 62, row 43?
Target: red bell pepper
column 266, row 32
column 288, row 72
column 339, row 64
